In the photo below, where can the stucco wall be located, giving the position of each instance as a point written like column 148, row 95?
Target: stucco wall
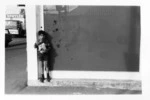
column 95, row 38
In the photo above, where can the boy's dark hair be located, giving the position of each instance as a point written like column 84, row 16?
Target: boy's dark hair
column 41, row 32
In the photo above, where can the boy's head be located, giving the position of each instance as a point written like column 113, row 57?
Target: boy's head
column 41, row 35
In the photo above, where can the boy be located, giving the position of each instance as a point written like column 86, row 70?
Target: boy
column 43, row 47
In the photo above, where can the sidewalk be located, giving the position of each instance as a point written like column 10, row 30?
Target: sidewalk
column 96, row 83
column 82, row 86
column 93, row 83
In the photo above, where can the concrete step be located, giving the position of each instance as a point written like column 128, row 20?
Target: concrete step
column 95, row 83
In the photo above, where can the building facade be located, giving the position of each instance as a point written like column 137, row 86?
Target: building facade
column 89, row 42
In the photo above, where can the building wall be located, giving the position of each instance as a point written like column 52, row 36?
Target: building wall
column 95, row 39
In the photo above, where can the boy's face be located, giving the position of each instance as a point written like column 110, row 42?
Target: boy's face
column 41, row 37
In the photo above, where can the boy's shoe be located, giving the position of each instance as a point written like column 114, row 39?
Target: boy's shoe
column 42, row 78
column 48, row 78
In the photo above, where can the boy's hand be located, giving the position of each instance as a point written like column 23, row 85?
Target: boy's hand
column 35, row 45
column 42, row 52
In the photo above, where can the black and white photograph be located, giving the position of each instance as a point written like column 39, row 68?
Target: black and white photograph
column 72, row 49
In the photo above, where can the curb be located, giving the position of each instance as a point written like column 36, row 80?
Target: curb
column 16, row 44
column 17, row 41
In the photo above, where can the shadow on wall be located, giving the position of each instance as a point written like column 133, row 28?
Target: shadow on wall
column 52, row 53
column 132, row 56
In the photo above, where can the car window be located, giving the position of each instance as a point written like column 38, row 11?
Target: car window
column 6, row 31
column 11, row 25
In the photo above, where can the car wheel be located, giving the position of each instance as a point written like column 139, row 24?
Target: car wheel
column 6, row 44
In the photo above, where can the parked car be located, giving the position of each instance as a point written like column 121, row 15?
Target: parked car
column 8, row 37
column 15, row 27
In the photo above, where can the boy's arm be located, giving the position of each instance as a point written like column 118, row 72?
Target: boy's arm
column 36, row 45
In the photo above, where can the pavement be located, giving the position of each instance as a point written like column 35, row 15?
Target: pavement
column 16, row 78
column 90, row 83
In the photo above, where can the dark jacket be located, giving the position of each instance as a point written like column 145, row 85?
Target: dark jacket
column 47, row 45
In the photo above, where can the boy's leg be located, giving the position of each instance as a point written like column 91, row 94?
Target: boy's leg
column 47, row 69
column 46, row 66
column 41, row 70
column 40, row 67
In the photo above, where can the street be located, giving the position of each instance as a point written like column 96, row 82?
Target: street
column 16, row 78
column 15, row 69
